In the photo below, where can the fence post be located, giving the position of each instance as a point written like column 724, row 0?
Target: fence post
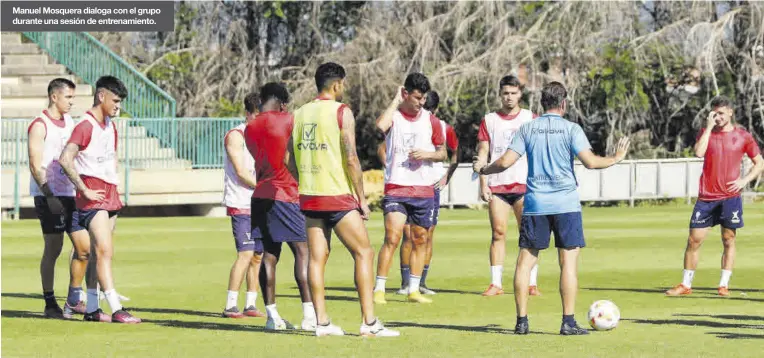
column 632, row 182
column 17, row 174
column 658, row 179
column 127, row 161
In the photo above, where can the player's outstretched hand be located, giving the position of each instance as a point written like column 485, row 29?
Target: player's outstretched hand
column 94, row 195
column 622, row 149
column 477, row 164
column 736, row 185
column 365, row 211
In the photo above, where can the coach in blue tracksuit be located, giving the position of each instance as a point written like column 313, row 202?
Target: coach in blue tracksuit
column 551, row 201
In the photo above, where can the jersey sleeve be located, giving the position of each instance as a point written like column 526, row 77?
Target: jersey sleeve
column 37, row 120
column 81, row 134
column 249, row 139
column 340, row 114
column 452, row 141
column 751, row 148
column 437, row 131
column 518, row 141
column 483, row 132
column 578, row 140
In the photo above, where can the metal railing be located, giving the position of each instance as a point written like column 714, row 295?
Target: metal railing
column 144, row 144
column 89, row 59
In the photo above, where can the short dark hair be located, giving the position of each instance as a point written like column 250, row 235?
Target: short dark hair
column 432, row 101
column 59, row 83
column 251, row 102
column 327, row 73
column 510, row 80
column 722, row 101
column 273, row 90
column 552, row 95
column 417, row 81
column 113, row 85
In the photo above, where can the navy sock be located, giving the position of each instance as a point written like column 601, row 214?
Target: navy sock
column 569, row 320
column 405, row 275
column 50, row 299
column 424, row 276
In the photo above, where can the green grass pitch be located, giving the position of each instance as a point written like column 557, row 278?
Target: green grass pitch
column 175, row 271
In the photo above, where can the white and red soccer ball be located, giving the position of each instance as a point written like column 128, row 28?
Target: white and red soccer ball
column 603, row 315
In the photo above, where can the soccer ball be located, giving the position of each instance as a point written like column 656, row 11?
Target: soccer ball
column 604, row 315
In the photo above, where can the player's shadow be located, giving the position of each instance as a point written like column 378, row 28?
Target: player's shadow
column 327, row 297
column 36, row 296
column 22, row 314
column 176, row 311
column 491, row 328
column 694, row 323
column 352, row 289
column 730, row 335
column 220, row 326
column 724, row 316
column 716, row 297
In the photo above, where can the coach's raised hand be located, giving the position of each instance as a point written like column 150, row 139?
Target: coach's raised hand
column 622, row 149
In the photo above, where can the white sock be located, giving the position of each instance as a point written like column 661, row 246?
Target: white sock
column 113, row 298
column 687, row 276
column 496, row 272
column 380, row 286
column 251, row 299
column 92, row 300
column 725, row 281
column 272, row 312
column 233, row 299
column 534, row 275
column 414, row 283
column 308, row 311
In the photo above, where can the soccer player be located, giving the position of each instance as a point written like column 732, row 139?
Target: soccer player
column 90, row 161
column 442, row 177
column 496, row 132
column 551, row 200
column 276, row 216
column 414, row 143
column 322, row 157
column 54, row 200
column 722, row 145
column 239, row 183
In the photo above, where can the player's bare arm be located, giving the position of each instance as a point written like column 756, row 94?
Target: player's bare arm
column 702, row 145
column 36, row 144
column 438, row 155
column 382, row 153
column 385, row 120
column 593, row 161
column 453, row 164
column 234, row 147
column 753, row 173
column 509, row 158
column 482, row 159
column 290, row 161
column 352, row 163
column 67, row 163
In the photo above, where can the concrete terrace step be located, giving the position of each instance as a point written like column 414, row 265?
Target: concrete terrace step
column 40, row 90
column 29, row 107
column 19, row 48
column 38, row 60
column 17, row 70
column 10, row 38
column 37, row 79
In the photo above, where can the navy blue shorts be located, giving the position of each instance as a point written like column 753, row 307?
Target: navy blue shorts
column 84, row 217
column 535, row 231
column 330, row 218
column 510, row 199
column 277, row 221
column 418, row 211
column 59, row 222
column 726, row 212
column 435, row 207
column 243, row 236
